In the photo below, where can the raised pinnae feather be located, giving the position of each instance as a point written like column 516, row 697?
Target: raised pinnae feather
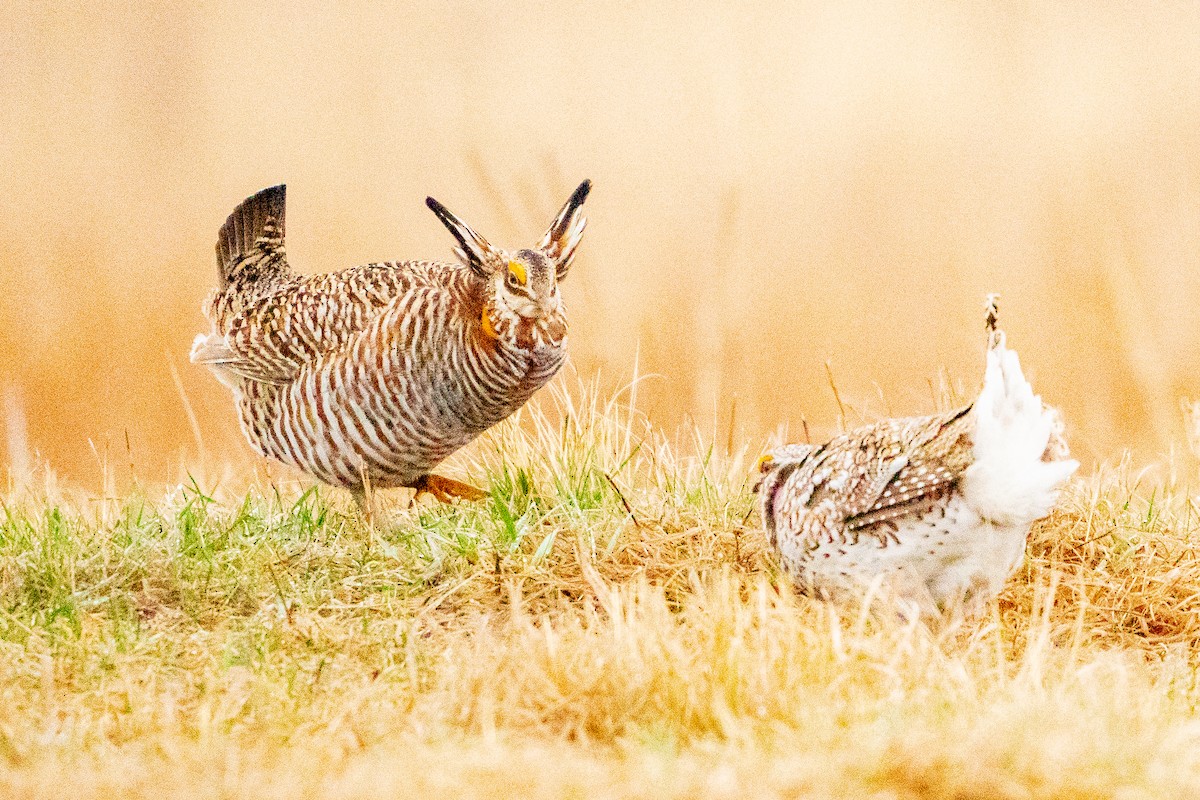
column 563, row 236
column 473, row 251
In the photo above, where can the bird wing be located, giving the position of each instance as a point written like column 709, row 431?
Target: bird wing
column 269, row 338
column 911, row 466
column 860, row 481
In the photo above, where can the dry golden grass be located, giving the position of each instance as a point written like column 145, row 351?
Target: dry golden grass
column 551, row 642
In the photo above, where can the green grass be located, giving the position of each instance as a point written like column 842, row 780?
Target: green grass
column 606, row 624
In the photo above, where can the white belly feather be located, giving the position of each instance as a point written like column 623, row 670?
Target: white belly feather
column 941, row 557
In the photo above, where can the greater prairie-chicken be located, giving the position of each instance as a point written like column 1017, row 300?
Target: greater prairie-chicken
column 938, row 508
column 371, row 376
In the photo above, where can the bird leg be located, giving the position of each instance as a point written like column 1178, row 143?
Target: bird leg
column 366, row 507
column 364, row 497
column 447, row 489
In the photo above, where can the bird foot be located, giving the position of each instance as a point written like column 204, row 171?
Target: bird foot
column 447, row 489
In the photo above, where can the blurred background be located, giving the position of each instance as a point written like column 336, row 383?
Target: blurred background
column 784, row 192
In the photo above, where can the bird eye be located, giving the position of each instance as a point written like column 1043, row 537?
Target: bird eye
column 511, row 280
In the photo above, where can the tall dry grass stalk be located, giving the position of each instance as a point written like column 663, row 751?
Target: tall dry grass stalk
column 1191, row 423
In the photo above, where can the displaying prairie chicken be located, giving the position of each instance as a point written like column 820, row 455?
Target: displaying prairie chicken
column 939, row 508
column 371, row 376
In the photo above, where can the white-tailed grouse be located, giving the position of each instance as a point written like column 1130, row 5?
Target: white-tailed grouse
column 938, row 508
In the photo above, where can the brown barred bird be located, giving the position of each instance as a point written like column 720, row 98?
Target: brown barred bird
column 371, row 376
column 937, row 508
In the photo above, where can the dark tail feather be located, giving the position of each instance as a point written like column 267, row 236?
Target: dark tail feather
column 992, row 306
column 260, row 216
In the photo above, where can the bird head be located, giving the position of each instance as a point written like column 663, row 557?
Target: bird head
column 521, row 301
column 776, row 467
column 770, row 462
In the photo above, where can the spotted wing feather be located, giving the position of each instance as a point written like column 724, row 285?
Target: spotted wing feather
column 901, row 486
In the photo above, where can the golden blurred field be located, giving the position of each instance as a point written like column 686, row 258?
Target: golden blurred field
column 777, row 186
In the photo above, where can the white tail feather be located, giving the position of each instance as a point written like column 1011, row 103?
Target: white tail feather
column 209, row 348
column 1009, row 483
column 212, row 351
